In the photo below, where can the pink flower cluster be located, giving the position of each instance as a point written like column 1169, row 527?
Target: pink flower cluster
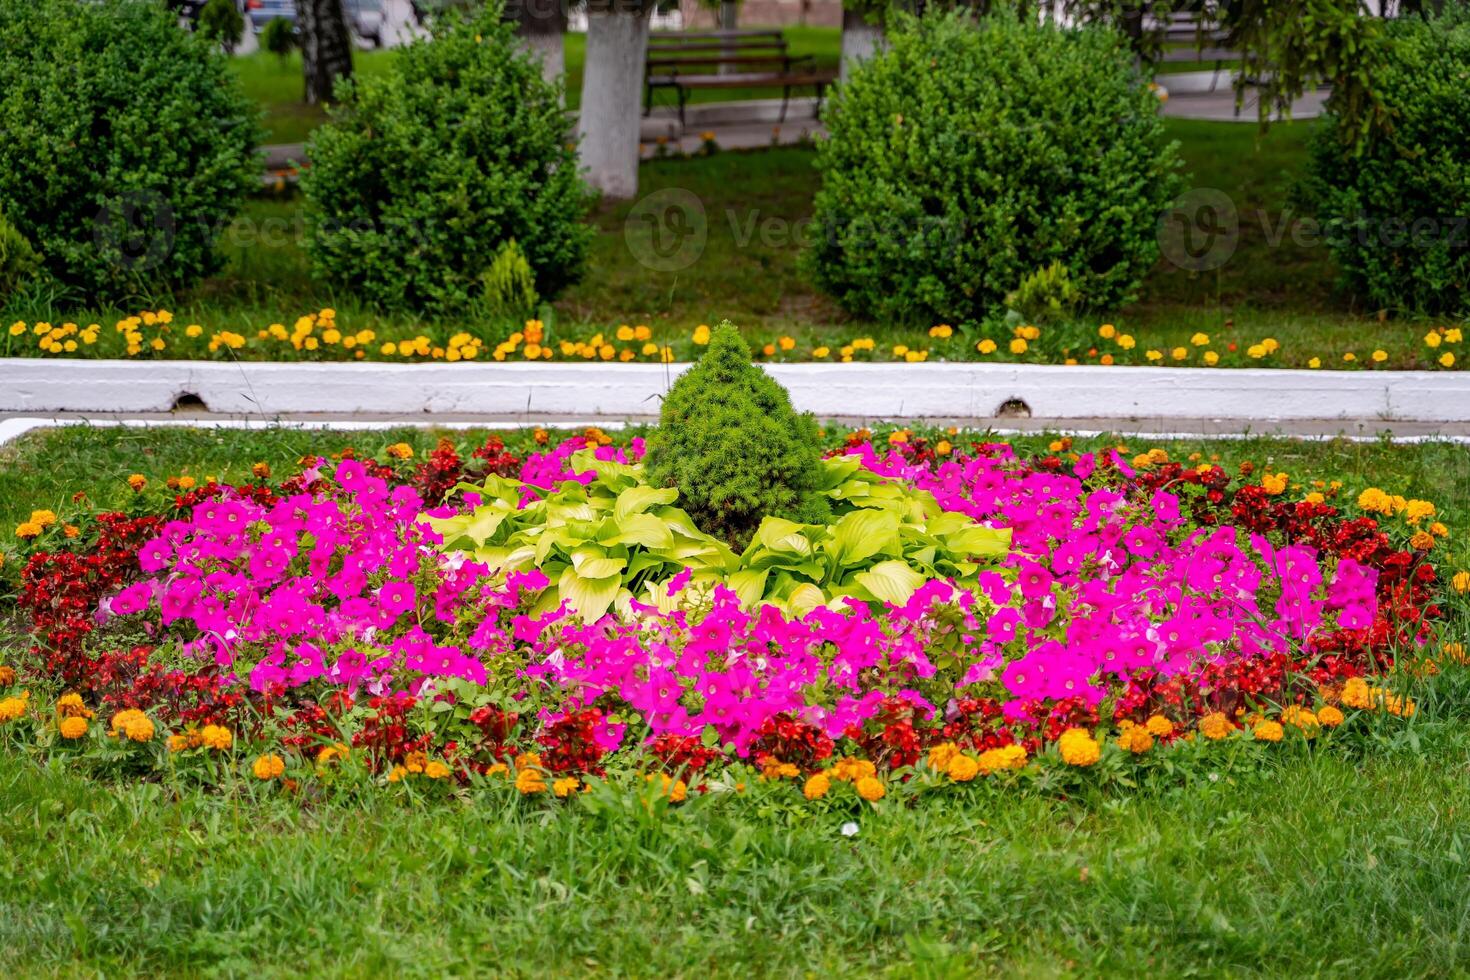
column 340, row 587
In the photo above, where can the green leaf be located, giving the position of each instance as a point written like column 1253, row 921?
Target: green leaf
column 589, row 597
column 636, row 500
column 749, row 584
column 863, row 534
column 890, row 581
column 645, row 530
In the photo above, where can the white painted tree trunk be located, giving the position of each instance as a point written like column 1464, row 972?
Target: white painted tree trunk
column 549, row 49
column 612, row 98
column 541, row 26
column 860, row 40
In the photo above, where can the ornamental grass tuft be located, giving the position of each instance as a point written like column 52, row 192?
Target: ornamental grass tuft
column 730, row 442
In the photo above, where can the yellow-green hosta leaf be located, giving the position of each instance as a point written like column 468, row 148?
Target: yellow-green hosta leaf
column 804, row 598
column 979, row 540
column 890, row 581
column 749, row 584
column 863, row 534
column 636, row 500
column 588, row 597
column 779, row 534
column 593, row 563
column 641, row 529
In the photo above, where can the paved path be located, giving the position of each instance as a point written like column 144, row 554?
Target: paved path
column 1219, row 106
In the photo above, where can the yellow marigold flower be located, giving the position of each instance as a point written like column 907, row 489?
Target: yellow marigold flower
column 941, row 755
column 1421, row 541
column 400, row 450
column 178, row 743
column 1018, row 345
column 1447, row 359
column 1215, row 726
column 1461, row 582
column 1356, row 693
column 1270, row 344
column 963, row 768
column 216, row 737
column 133, row 724
column 1298, row 717
column 851, row 770
column 1274, row 484
column 7, row 675
column 1006, row 757
column 1268, row 731
column 986, row 346
column 530, row 781
column 1078, row 747
column 45, row 518
column 1379, row 356
column 27, row 530
column 565, row 786
column 1329, row 717
column 871, row 788
column 1256, row 351
column 675, row 789
column 1211, row 358
column 943, row 448
column 821, row 352
column 817, row 786
column 73, row 727
column 137, row 481
column 1159, row 726
column 397, row 774
column 12, row 708
column 786, row 343
column 268, row 767
column 701, row 335
column 436, row 770
column 1107, row 331
column 331, row 753
column 1439, row 530
column 1200, row 339
column 1454, row 335
column 498, row 769
column 1433, row 338
column 1136, row 739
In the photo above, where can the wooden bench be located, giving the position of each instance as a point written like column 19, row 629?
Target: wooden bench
column 684, row 62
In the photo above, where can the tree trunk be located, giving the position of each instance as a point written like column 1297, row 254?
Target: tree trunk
column 612, row 97
column 326, row 46
column 541, row 25
column 860, row 40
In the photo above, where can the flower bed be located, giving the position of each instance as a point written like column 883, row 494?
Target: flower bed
column 1145, row 612
column 323, row 336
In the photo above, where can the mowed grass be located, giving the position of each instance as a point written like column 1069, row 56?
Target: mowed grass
column 1297, row 867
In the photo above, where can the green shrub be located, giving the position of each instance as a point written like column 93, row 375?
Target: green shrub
column 730, row 442
column 966, row 158
column 1394, row 214
column 127, row 143
column 18, row 261
column 1046, row 296
column 423, row 175
column 278, row 37
column 221, row 21
column 509, row 286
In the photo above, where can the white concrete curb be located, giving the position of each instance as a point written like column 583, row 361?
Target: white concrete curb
column 632, row 391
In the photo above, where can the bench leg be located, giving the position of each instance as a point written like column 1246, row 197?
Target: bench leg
column 679, row 89
column 821, row 94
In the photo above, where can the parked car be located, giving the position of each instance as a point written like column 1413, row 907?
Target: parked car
column 262, row 12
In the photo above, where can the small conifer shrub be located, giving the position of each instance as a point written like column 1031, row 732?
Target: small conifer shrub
column 730, row 442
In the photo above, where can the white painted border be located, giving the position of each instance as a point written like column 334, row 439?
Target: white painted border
column 600, row 392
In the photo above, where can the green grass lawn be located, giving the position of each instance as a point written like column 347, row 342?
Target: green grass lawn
column 756, row 204
column 1348, row 859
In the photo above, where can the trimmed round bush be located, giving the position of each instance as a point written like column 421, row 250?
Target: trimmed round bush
column 970, row 157
column 424, row 174
column 730, row 442
column 127, row 144
column 1395, row 210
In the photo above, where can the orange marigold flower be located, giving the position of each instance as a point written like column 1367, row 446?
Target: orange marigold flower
column 1268, row 731
column 73, row 727
column 268, row 767
column 1330, row 717
column 870, row 788
column 1215, row 726
column 1079, row 748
